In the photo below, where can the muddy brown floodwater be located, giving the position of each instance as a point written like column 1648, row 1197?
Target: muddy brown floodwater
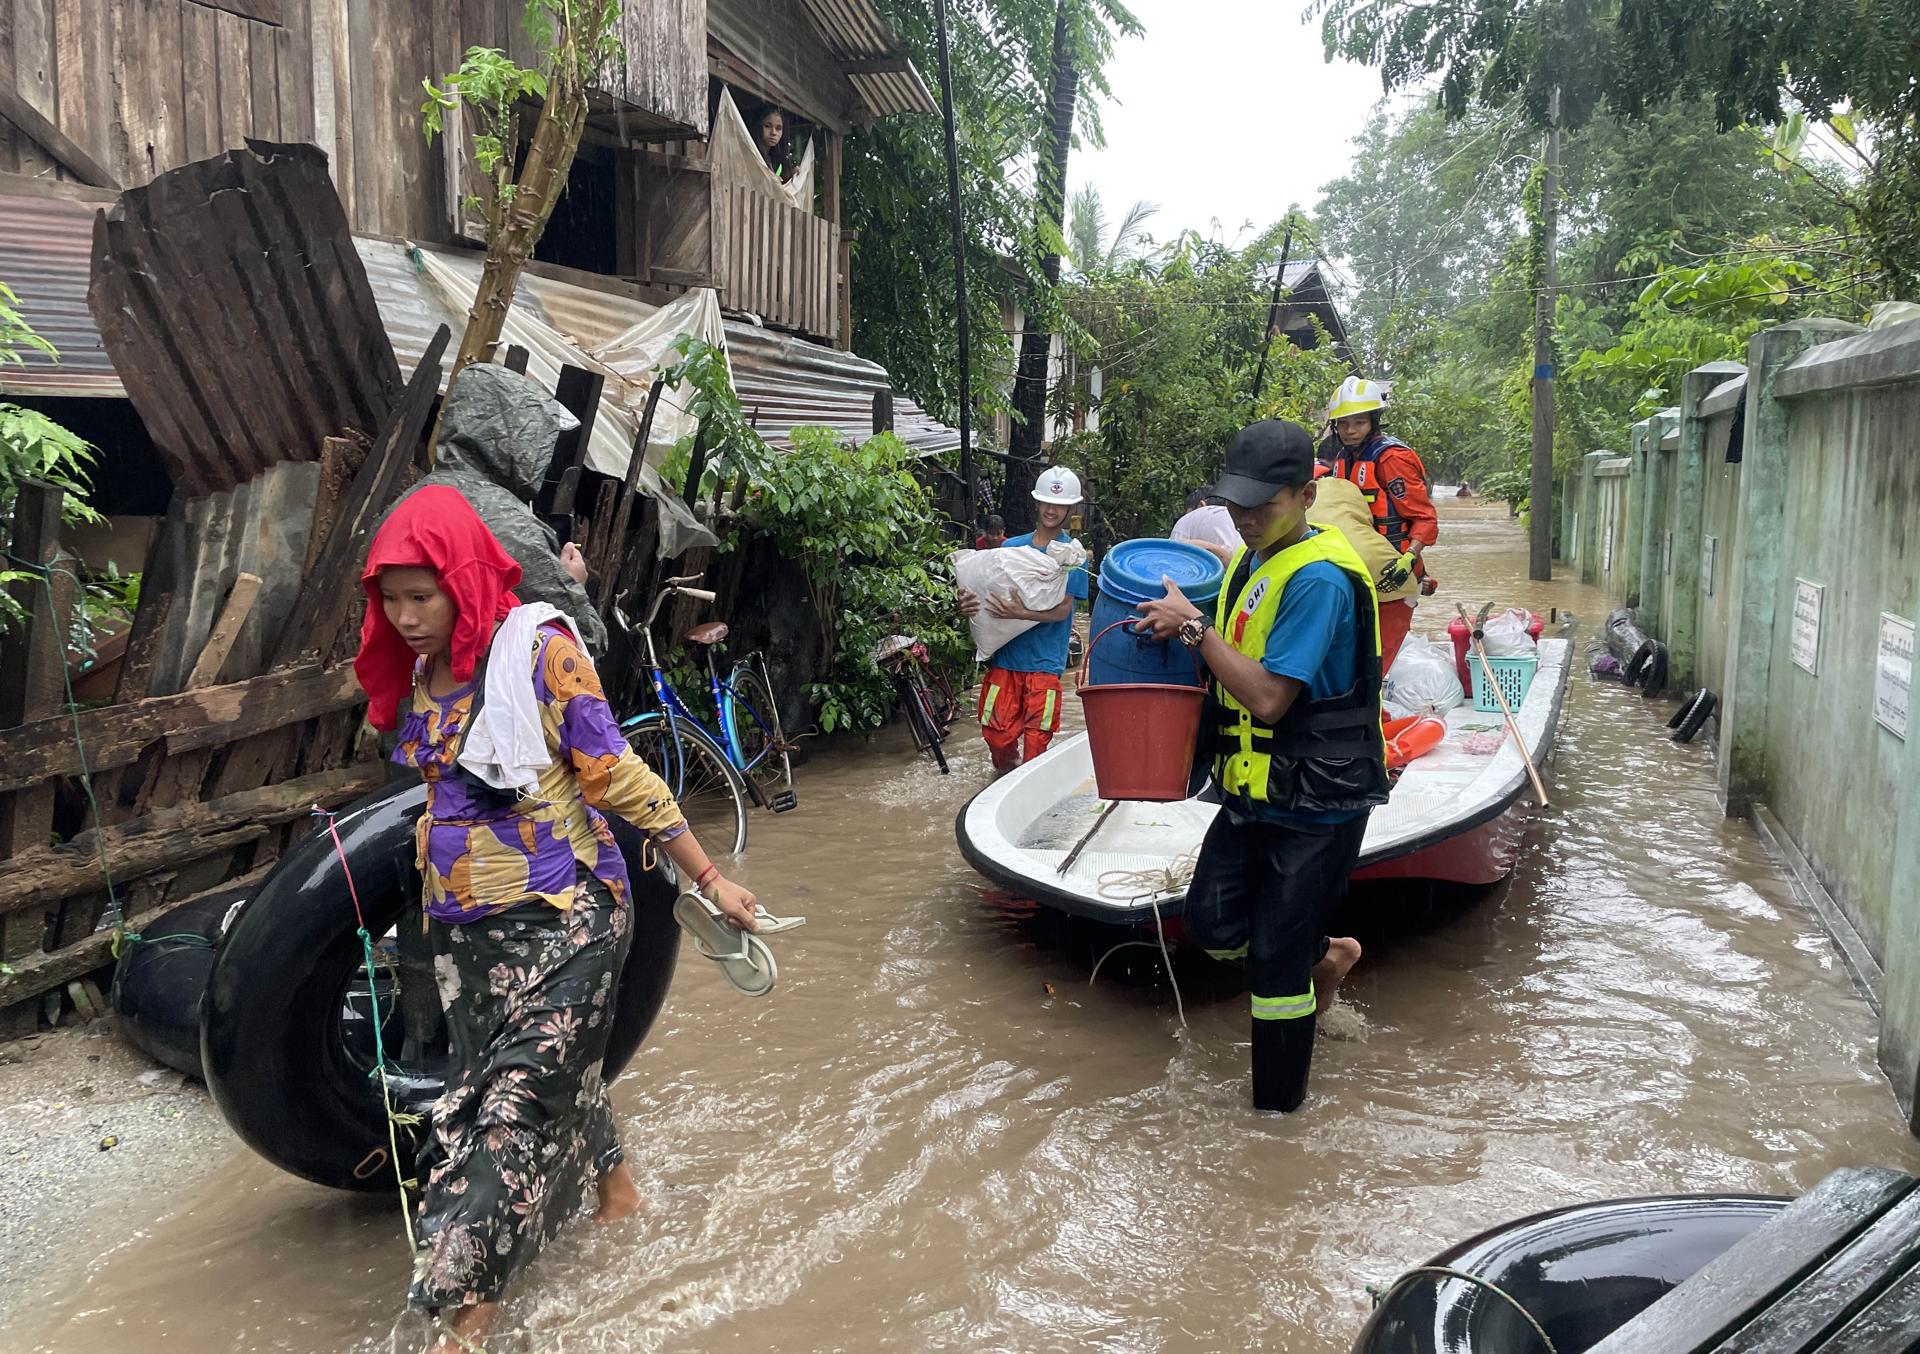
column 937, row 1135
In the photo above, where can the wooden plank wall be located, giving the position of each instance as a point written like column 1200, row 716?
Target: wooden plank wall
column 779, row 262
column 778, row 54
column 666, row 66
column 143, row 86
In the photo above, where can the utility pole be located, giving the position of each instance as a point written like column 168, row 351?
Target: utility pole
column 1540, row 537
column 959, row 272
column 1273, row 313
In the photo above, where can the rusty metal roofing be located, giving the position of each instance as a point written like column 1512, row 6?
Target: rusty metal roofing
column 862, row 41
column 45, row 247
column 782, row 381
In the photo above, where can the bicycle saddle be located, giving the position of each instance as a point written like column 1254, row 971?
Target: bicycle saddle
column 710, row 633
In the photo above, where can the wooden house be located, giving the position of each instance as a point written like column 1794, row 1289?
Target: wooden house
column 231, row 713
column 108, row 93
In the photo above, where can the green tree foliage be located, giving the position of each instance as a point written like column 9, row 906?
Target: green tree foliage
column 1177, row 340
column 1093, row 248
column 1444, row 272
column 1745, row 61
column 895, row 192
column 33, row 446
column 856, row 521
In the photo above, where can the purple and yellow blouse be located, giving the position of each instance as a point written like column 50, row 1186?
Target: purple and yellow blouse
column 483, row 850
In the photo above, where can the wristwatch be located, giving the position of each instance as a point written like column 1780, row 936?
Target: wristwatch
column 1193, row 630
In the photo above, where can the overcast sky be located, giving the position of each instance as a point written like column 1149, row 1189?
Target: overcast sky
column 1224, row 110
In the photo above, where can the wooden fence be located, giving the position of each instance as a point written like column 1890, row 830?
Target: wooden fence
column 778, row 261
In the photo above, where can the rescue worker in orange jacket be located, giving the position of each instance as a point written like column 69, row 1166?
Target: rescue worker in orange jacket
column 1389, row 475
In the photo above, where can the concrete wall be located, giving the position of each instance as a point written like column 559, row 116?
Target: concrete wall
column 1825, row 491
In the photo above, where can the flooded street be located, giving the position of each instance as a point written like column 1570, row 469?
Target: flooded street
column 937, row 1135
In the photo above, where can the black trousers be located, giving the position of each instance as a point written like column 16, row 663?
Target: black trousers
column 1261, row 892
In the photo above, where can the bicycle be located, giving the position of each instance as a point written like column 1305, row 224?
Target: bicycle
column 711, row 776
column 925, row 696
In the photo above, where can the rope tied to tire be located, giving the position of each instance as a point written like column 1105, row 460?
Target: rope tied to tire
column 114, row 918
column 1448, row 1272
column 395, row 1119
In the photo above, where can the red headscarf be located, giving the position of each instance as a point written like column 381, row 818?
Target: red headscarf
column 434, row 528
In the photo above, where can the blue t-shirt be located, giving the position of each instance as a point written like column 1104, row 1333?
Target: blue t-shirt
column 1043, row 647
column 1313, row 641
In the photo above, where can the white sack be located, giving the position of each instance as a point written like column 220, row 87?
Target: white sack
column 1506, row 635
column 1424, row 680
column 1038, row 580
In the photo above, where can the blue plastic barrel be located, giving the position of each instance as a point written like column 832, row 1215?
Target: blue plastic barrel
column 1131, row 573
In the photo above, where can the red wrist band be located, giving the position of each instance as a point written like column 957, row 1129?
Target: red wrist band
column 707, row 876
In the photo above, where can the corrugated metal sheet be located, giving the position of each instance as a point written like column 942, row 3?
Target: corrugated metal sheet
column 238, row 314
column 855, row 32
column 45, row 248
column 785, row 382
column 782, row 381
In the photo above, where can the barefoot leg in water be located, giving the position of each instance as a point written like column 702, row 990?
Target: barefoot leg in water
column 1343, row 952
column 619, row 1195
column 469, row 1326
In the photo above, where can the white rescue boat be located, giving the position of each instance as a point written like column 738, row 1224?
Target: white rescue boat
column 1455, row 816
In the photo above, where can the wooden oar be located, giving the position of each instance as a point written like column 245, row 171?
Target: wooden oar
column 1513, row 726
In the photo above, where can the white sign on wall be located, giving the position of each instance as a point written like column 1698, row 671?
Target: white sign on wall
column 1666, row 554
column 1709, row 556
column 1893, row 673
column 1606, row 557
column 1805, row 644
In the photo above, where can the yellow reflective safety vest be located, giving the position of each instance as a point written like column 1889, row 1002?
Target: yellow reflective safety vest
column 1323, row 756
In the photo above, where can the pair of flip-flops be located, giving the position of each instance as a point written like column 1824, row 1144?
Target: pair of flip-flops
column 743, row 957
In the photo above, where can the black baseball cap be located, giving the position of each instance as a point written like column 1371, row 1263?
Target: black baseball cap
column 1263, row 459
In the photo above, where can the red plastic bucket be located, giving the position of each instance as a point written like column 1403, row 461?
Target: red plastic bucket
column 1141, row 735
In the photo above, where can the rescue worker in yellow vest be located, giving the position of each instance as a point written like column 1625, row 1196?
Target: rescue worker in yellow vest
column 1296, row 752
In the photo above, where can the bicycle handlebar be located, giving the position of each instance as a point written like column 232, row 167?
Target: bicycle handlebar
column 704, row 594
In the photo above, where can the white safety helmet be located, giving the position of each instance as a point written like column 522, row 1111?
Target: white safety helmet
column 1057, row 485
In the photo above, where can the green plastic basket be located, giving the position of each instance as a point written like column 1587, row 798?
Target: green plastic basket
column 1515, row 675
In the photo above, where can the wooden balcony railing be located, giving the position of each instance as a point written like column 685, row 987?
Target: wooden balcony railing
column 779, row 262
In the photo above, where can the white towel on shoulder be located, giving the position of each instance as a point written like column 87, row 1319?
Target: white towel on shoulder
column 506, row 745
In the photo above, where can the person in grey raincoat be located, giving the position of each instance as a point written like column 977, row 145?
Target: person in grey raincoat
column 497, row 433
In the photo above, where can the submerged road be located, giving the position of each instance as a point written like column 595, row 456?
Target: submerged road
column 936, row 1135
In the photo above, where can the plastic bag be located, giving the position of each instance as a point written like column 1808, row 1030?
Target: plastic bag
column 1038, row 580
column 1507, row 636
column 1424, row 680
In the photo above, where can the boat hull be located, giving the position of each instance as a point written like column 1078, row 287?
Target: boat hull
column 1458, row 816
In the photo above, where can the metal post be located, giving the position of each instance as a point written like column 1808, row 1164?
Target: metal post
column 959, row 263
column 1540, row 544
column 1273, row 314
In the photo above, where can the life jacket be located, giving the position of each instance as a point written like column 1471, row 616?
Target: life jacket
column 1362, row 467
column 1325, row 755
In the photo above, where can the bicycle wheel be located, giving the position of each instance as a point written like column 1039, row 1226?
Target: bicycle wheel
column 926, row 734
column 756, row 727
column 709, row 790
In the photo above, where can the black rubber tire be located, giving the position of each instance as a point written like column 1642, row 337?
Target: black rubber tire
column 711, row 790
column 1637, row 664
column 1679, row 717
column 1582, row 1272
column 927, row 737
column 1653, row 675
column 160, row 979
column 754, row 714
column 288, row 1079
column 1698, row 710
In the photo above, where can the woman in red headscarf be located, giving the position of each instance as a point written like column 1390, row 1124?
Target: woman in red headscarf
column 526, row 891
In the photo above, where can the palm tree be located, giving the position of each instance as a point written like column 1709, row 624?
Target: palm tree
column 1087, row 237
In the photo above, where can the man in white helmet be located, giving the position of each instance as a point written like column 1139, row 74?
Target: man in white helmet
column 1391, row 478
column 1020, row 695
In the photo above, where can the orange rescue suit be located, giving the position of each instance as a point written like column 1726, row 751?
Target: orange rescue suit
column 1391, row 478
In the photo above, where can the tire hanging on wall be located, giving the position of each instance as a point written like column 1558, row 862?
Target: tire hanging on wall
column 1693, row 715
column 285, row 1040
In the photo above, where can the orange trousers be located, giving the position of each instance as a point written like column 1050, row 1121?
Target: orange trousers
column 1019, row 712
column 1395, row 618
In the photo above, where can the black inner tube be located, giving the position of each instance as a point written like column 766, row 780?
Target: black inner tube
column 286, row 1025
